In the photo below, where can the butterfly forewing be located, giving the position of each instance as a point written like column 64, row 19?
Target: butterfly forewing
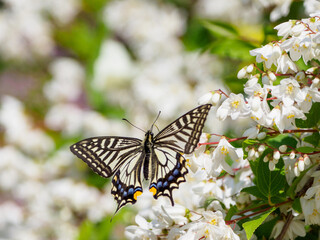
column 104, row 155
column 184, row 133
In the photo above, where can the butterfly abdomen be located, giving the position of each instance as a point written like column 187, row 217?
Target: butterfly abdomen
column 148, row 145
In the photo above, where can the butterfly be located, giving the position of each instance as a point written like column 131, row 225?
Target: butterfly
column 158, row 158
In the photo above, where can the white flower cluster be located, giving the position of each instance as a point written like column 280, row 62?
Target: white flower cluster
column 203, row 189
column 207, row 225
column 276, row 96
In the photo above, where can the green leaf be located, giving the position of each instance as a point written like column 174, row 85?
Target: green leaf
column 196, row 36
column 313, row 117
column 306, row 149
column 248, row 143
column 281, row 139
column 231, row 48
column 232, row 211
column 297, row 205
column 220, row 29
column 252, row 225
column 254, row 190
column 85, row 230
column 314, row 139
column 270, row 182
column 263, row 231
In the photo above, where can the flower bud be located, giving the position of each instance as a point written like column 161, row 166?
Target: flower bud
column 242, row 73
column 250, row 68
column 272, row 166
column 251, row 153
column 272, row 76
column 215, row 98
column 276, row 155
column 292, row 155
column 300, row 164
column 261, row 148
column 206, row 98
column 283, row 148
column 266, row 158
column 261, row 135
column 306, row 159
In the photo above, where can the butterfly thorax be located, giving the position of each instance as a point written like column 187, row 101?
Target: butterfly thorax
column 147, row 145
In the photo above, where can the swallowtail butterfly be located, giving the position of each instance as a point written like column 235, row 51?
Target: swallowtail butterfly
column 156, row 158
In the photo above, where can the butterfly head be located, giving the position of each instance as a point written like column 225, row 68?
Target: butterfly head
column 149, row 136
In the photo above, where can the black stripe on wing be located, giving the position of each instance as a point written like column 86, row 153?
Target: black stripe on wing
column 184, row 133
column 104, row 155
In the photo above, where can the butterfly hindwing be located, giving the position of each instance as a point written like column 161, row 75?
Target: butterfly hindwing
column 104, row 155
column 170, row 171
column 184, row 133
column 126, row 183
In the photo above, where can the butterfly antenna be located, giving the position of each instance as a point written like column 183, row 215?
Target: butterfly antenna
column 155, row 121
column 124, row 119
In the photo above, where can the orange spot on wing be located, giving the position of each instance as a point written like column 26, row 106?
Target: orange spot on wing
column 136, row 194
column 153, row 190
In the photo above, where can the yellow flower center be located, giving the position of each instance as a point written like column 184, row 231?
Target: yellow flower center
column 315, row 212
column 308, row 98
column 235, row 103
column 290, row 116
column 289, row 89
column 213, row 222
column 224, row 150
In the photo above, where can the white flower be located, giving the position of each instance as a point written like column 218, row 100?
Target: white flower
column 268, row 54
column 284, row 118
column 140, row 232
column 233, row 106
column 274, row 117
column 252, row 132
column 289, row 165
column 223, row 149
column 289, row 115
column 285, row 63
column 310, row 211
column 292, row 45
column 211, row 227
column 259, row 108
column 288, row 91
column 296, row 228
column 166, row 216
column 284, row 29
column 310, row 95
